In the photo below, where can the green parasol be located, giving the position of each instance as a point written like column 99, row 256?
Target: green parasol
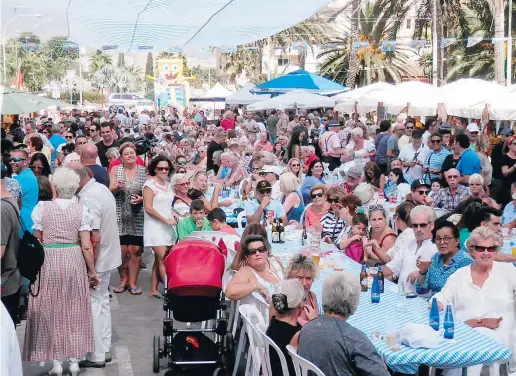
column 15, row 102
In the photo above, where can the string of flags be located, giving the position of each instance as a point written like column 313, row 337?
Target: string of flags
column 386, row 46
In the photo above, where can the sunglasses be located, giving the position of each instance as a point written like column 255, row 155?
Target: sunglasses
column 422, row 225
column 264, row 191
column 263, row 173
column 453, row 176
column 436, row 141
column 295, row 165
column 257, row 168
column 93, row 129
column 333, row 200
column 376, row 207
column 474, row 133
column 445, row 240
column 423, row 193
column 409, row 128
column 317, row 195
column 162, row 168
column 490, row 248
column 181, row 163
column 184, row 184
column 16, row 159
column 253, row 251
column 36, row 167
column 68, row 137
column 81, row 143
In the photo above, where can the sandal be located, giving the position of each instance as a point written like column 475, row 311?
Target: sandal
column 120, row 289
column 135, row 291
column 157, row 296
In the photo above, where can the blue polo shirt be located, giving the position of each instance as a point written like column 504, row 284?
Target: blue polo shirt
column 56, row 140
column 30, row 192
column 509, row 213
column 469, row 163
column 273, row 211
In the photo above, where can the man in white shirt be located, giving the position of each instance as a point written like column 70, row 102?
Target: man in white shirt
column 144, row 118
column 431, row 126
column 404, row 263
column 272, row 174
column 407, row 137
column 413, row 156
column 124, row 120
column 106, row 247
column 10, row 359
column 330, row 145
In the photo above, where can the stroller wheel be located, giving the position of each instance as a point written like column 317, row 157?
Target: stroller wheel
column 155, row 354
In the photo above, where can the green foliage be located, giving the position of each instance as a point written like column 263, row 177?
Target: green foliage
column 149, row 71
column 98, row 60
column 92, row 97
column 121, row 62
column 199, row 76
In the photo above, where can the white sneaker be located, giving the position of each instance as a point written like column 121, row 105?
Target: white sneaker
column 57, row 369
column 74, row 367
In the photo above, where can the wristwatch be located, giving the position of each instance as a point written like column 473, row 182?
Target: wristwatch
column 479, row 320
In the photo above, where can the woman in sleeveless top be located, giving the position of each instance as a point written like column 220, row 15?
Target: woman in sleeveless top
column 180, row 202
column 59, row 321
column 159, row 232
column 382, row 238
column 257, row 274
column 305, row 270
column 126, row 182
column 290, row 197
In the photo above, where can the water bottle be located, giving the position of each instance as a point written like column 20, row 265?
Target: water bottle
column 375, row 290
column 381, row 279
column 448, row 324
column 434, row 315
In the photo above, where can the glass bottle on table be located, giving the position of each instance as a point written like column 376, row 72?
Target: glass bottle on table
column 448, row 323
column 433, row 319
column 275, row 232
column 364, row 278
column 281, row 230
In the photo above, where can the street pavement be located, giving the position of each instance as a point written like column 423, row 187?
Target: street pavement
column 135, row 320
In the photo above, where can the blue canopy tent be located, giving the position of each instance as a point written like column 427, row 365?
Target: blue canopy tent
column 299, row 79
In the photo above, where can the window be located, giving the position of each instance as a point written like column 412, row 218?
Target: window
column 116, row 96
column 409, row 23
column 283, row 61
column 127, row 97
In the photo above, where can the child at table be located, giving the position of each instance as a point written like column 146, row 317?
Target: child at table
column 353, row 242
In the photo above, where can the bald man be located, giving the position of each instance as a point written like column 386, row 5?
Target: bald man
column 449, row 198
column 89, row 157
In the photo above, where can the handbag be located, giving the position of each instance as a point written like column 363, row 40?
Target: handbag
column 31, row 255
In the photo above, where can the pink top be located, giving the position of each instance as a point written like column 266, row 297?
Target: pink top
column 267, row 146
column 227, row 124
column 312, row 218
column 302, row 319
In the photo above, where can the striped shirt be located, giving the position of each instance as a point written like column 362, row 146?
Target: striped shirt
column 332, row 225
column 444, row 199
column 434, row 161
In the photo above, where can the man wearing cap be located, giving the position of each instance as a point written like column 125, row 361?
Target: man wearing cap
column 272, row 174
column 469, row 162
column 393, row 150
column 262, row 207
column 497, row 162
column 419, row 191
column 353, row 178
column 473, row 135
column 330, row 145
column 433, row 164
column 413, row 156
column 449, row 198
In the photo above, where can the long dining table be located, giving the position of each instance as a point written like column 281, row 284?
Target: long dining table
column 468, row 347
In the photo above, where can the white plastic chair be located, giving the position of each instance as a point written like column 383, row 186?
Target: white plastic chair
column 240, row 218
column 253, row 321
column 302, row 366
column 302, row 219
column 266, row 367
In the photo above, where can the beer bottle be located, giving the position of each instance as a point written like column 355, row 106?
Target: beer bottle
column 281, row 229
column 304, row 237
column 364, row 279
column 275, row 232
column 381, row 279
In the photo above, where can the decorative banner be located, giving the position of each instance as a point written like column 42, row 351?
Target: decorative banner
column 447, row 42
column 175, row 49
column 110, row 47
column 67, row 46
column 228, row 49
column 360, row 44
column 474, row 40
column 419, row 43
column 31, row 47
column 498, row 40
column 251, row 48
column 144, row 48
column 299, row 46
column 327, row 46
column 388, row 45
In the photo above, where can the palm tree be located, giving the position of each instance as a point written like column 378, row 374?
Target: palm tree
column 378, row 22
column 98, row 60
column 353, row 61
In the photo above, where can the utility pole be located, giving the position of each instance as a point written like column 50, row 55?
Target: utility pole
column 434, row 43
column 509, row 47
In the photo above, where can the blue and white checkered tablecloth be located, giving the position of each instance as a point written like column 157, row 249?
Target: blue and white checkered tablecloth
column 468, row 347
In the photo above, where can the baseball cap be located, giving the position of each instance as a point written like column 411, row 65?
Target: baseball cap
column 506, row 132
column 274, row 169
column 354, row 172
column 418, row 183
column 446, row 126
column 472, row 127
column 263, row 185
column 333, row 123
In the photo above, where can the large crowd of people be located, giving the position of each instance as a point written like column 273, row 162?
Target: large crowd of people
column 98, row 189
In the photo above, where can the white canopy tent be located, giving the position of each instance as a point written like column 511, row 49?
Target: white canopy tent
column 353, row 99
column 213, row 98
column 503, row 108
column 245, row 97
column 293, row 99
column 140, row 24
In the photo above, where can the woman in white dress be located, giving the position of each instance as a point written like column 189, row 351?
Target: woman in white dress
column 158, row 230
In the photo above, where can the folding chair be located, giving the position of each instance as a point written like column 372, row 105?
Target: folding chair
column 302, row 366
column 266, row 367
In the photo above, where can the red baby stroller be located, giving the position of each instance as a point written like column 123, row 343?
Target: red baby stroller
column 193, row 293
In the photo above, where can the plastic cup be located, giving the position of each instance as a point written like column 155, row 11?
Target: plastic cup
column 316, row 257
column 505, row 231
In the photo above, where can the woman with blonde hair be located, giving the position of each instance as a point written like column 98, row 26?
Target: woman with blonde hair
column 291, row 199
column 294, row 166
column 237, row 172
column 305, row 270
column 486, row 169
column 126, row 181
column 476, row 186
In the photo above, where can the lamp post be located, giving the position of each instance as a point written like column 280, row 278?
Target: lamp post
column 37, row 15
